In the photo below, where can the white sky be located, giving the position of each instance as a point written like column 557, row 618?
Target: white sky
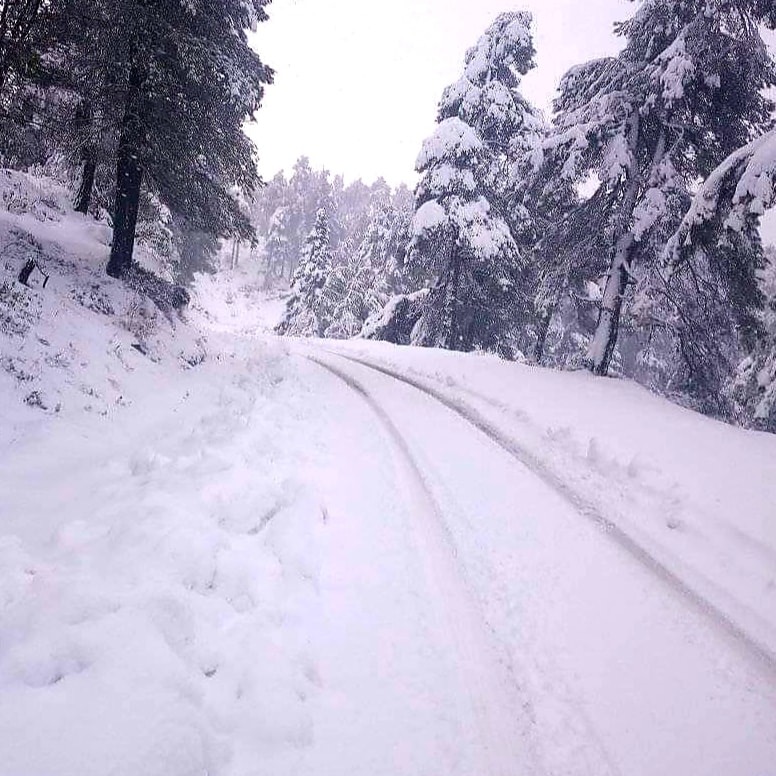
column 358, row 81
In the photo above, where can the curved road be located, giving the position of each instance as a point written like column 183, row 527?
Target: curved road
column 568, row 649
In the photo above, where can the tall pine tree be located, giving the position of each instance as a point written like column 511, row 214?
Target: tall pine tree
column 171, row 84
column 463, row 230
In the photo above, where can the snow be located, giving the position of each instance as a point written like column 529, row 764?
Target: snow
column 618, row 668
column 231, row 554
column 488, row 235
column 700, row 493
column 452, row 139
column 428, row 217
column 751, row 172
column 675, row 70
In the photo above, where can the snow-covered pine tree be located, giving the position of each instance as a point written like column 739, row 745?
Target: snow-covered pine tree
column 360, row 287
column 720, row 236
column 173, row 82
column 278, row 258
column 462, row 232
column 305, row 315
column 753, row 387
column 647, row 124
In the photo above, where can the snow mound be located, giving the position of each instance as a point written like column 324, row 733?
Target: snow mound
column 158, row 558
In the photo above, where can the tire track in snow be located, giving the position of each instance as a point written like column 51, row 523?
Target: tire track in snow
column 494, row 696
column 761, row 652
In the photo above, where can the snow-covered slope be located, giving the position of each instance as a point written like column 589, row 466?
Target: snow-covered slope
column 223, row 553
column 155, row 563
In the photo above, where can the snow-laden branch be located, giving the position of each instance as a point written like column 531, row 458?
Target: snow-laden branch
column 744, row 185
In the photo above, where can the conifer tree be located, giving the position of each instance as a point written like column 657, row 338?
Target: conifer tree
column 361, row 286
column 278, row 259
column 720, row 236
column 753, row 386
column 18, row 19
column 463, row 231
column 169, row 84
column 684, row 93
column 305, row 314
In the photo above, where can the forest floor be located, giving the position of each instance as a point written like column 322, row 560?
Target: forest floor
column 228, row 554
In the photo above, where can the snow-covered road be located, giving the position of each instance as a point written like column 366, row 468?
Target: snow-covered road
column 309, row 560
column 567, row 647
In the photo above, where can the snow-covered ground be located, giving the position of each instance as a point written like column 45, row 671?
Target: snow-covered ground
column 227, row 554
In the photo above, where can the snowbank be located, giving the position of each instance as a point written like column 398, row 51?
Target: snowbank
column 157, row 546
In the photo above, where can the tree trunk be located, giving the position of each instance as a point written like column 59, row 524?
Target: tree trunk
column 452, row 338
column 543, row 329
column 27, row 270
column 84, row 118
column 599, row 354
column 83, row 198
column 129, row 178
column 602, row 347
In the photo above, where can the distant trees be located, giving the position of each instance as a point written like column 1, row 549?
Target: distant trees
column 306, row 314
column 368, row 233
column 361, row 286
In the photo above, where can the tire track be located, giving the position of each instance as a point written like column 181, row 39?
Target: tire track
column 760, row 651
column 494, row 696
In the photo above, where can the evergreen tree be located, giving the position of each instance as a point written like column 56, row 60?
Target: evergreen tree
column 685, row 91
column 18, row 19
column 360, row 287
column 463, row 233
column 277, row 250
column 305, row 310
column 171, row 83
column 753, row 386
column 721, row 234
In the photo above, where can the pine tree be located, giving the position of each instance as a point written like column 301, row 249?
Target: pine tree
column 720, row 236
column 277, row 250
column 18, row 19
column 462, row 230
column 360, row 287
column 685, row 92
column 753, row 386
column 305, row 315
column 170, row 83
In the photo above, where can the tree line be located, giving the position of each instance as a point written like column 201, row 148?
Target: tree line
column 621, row 236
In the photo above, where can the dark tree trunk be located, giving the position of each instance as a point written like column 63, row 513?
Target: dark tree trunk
column 452, row 337
column 27, row 270
column 84, row 119
column 129, row 179
column 83, row 198
column 545, row 318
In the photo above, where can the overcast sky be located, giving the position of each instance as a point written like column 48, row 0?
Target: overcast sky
column 358, row 81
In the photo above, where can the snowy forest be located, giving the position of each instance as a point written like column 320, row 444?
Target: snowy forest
column 620, row 234
column 377, row 399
